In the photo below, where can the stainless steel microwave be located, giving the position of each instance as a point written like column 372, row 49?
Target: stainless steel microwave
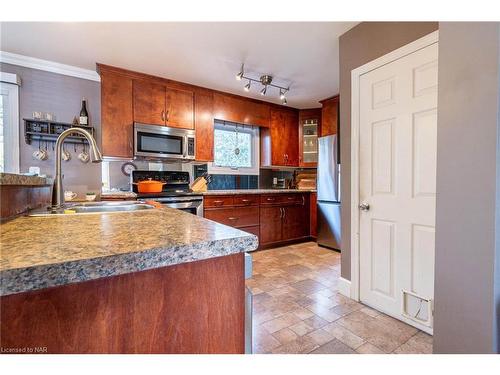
column 163, row 143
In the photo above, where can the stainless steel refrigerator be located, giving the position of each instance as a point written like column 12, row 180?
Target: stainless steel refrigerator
column 328, row 192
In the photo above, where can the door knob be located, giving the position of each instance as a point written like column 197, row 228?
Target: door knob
column 364, row 206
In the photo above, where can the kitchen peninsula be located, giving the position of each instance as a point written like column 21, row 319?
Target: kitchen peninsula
column 149, row 281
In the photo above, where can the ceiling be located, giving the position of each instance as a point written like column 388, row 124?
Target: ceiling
column 303, row 55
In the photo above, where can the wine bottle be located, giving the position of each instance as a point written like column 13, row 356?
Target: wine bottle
column 84, row 116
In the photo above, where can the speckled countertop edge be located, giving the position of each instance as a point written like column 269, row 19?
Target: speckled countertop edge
column 22, row 180
column 48, row 266
column 45, row 276
column 256, row 191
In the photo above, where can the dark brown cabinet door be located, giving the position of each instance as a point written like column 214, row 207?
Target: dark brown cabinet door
column 284, row 138
column 204, row 126
column 295, row 222
column 116, row 115
column 270, row 224
column 278, row 138
column 291, row 135
column 149, row 103
column 179, row 108
column 329, row 116
column 242, row 110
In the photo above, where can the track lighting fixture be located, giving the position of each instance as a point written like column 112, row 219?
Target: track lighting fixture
column 266, row 81
column 239, row 76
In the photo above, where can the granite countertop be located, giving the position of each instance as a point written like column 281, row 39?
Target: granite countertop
column 19, row 179
column 41, row 252
column 256, row 191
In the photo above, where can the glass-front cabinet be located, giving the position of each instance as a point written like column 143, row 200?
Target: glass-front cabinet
column 308, row 146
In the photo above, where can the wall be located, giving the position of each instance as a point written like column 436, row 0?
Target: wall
column 60, row 95
column 363, row 43
column 467, row 273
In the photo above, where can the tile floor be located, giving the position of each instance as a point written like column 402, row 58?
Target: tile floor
column 297, row 309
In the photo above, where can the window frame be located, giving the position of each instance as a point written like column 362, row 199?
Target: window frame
column 10, row 83
column 254, row 132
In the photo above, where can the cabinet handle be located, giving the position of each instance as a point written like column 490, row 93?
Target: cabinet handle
column 168, row 111
column 303, row 201
column 232, row 218
column 163, row 115
column 284, row 212
column 218, row 203
column 270, row 199
column 245, row 200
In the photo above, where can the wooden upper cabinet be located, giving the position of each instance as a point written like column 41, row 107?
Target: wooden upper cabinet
column 179, row 108
column 233, row 108
column 116, row 115
column 329, row 116
column 149, row 102
column 280, row 143
column 204, row 126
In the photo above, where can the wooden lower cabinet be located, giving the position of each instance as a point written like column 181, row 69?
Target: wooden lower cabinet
column 270, row 225
column 190, row 308
column 274, row 218
column 295, row 222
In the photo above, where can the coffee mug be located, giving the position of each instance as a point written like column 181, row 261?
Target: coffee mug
column 66, row 156
column 84, row 157
column 69, row 195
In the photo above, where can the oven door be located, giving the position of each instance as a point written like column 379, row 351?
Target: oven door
column 160, row 142
column 189, row 204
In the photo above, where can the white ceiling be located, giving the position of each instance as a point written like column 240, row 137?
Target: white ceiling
column 302, row 54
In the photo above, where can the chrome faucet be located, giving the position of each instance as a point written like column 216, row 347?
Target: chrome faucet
column 95, row 156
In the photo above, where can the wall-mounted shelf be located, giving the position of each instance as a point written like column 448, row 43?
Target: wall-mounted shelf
column 42, row 130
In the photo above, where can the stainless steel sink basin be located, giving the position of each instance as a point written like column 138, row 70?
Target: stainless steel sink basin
column 94, row 208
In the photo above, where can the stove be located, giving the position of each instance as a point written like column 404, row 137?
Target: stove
column 175, row 193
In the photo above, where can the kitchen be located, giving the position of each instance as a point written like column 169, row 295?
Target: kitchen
column 195, row 207
column 150, row 141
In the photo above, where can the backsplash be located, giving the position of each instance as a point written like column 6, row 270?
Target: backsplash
column 226, row 181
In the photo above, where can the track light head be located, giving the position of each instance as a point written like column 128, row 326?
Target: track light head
column 239, row 76
column 282, row 94
column 263, row 91
column 283, row 101
column 247, row 87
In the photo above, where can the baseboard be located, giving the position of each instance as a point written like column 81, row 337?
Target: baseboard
column 344, row 287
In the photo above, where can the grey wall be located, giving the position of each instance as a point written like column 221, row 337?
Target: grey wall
column 60, row 95
column 467, row 279
column 363, row 43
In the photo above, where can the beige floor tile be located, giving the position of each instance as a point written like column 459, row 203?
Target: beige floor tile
column 285, row 335
column 301, row 345
column 324, row 312
column 308, row 286
column 417, row 344
column 283, row 321
column 344, row 335
column 369, row 311
column 320, row 336
column 296, row 297
column 333, row 347
column 368, row 348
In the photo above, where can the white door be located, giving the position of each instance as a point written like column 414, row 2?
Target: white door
column 398, row 118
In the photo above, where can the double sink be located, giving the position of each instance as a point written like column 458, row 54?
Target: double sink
column 94, row 207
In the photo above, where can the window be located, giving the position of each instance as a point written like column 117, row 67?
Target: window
column 9, row 123
column 236, row 149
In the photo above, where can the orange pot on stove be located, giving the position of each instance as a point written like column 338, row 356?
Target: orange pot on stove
column 149, row 186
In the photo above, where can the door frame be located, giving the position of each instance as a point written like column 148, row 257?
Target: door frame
column 356, row 74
